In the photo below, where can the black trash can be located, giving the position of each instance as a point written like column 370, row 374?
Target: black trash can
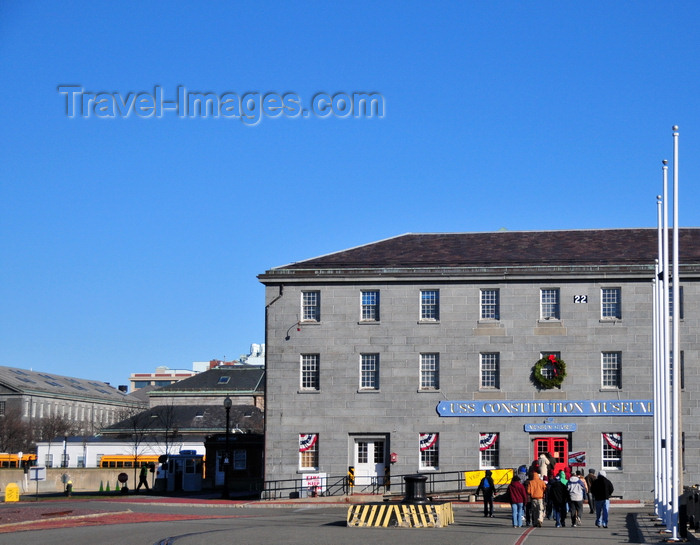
column 415, row 489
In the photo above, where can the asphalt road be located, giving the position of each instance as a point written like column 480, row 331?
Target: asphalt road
column 316, row 525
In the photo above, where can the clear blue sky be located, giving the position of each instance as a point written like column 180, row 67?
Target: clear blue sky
column 129, row 243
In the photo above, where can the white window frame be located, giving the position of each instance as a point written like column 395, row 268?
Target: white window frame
column 489, row 370
column 430, row 371
column 611, row 303
column 369, row 372
column 490, row 304
column 429, row 305
column 611, row 370
column 490, row 458
column 369, row 306
column 310, row 455
column 611, row 457
column 429, row 459
column 547, row 370
column 311, row 306
column 550, row 304
column 309, row 372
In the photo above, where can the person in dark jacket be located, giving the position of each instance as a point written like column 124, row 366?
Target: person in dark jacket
column 486, row 487
column 602, row 489
column 559, row 495
column 590, row 478
column 518, row 498
column 529, row 519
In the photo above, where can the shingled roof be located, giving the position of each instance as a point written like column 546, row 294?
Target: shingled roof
column 241, row 378
column 597, row 247
column 191, row 419
column 37, row 382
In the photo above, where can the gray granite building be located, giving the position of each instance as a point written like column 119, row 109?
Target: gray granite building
column 431, row 352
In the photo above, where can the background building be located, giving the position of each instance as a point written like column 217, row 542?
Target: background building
column 416, row 354
column 244, row 384
column 36, row 405
column 163, row 376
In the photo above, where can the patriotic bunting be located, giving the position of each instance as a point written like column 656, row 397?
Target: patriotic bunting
column 306, row 441
column 614, row 440
column 487, row 440
column 427, row 440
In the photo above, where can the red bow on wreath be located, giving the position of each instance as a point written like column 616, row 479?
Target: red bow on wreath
column 553, row 361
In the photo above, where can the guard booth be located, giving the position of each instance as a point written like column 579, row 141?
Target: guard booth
column 184, row 472
column 244, row 457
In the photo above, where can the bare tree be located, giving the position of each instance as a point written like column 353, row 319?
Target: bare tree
column 165, row 421
column 139, row 425
column 15, row 433
column 53, row 427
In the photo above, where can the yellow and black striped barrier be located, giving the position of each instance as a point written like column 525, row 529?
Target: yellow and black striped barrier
column 384, row 515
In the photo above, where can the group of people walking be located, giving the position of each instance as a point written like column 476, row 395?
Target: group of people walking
column 534, row 496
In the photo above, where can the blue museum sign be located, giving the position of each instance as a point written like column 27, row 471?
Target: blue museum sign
column 618, row 407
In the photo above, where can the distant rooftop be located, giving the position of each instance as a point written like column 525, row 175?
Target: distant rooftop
column 228, row 378
column 23, row 380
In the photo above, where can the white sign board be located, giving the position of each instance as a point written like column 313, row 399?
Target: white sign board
column 37, row 473
column 315, row 482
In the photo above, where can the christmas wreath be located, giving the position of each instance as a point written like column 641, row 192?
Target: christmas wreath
column 558, row 374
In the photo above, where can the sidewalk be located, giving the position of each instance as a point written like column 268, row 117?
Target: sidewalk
column 58, row 511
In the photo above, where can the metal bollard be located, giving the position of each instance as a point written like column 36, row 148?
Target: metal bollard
column 415, row 489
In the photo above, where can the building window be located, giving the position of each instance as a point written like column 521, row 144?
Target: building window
column 430, row 305
column 362, row 452
column 369, row 372
column 240, row 459
column 549, row 303
column 670, row 302
column 612, row 369
column 308, row 451
column 370, row 306
column 548, row 369
column 310, row 371
column 488, row 450
column 429, row 451
column 671, row 371
column 490, row 367
column 310, row 306
column 2, row 408
column 48, row 461
column 612, row 451
column 429, row 371
column 611, row 303
column 490, row 305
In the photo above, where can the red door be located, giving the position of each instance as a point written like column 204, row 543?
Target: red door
column 557, row 447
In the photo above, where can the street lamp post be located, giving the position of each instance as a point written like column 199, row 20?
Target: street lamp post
column 227, row 455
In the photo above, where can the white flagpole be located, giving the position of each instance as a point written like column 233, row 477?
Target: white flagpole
column 675, row 443
column 655, row 367
column 659, row 469
column 666, row 439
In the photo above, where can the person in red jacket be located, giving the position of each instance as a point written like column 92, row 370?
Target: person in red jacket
column 518, row 497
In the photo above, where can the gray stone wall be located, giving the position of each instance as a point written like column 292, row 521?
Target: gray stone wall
column 400, row 411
